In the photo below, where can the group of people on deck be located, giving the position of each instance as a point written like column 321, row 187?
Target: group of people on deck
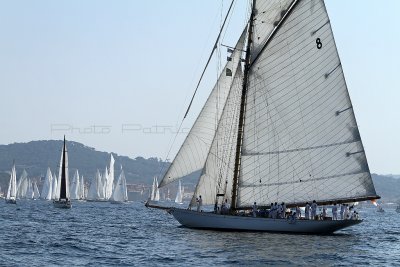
column 279, row 211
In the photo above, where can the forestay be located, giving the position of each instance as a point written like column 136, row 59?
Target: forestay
column 301, row 141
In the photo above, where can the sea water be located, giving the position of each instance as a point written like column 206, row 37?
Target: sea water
column 34, row 233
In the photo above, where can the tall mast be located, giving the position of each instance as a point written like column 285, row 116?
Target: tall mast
column 242, row 111
column 63, row 189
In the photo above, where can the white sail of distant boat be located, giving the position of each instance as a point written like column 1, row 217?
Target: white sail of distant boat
column 74, row 191
column 278, row 126
column 82, row 188
column 54, row 187
column 63, row 199
column 22, row 185
column 167, row 197
column 110, row 179
column 102, row 185
column 179, row 194
column 36, row 194
column 92, row 191
column 29, row 191
column 155, row 192
column 120, row 193
column 95, row 188
column 11, row 196
column 47, row 191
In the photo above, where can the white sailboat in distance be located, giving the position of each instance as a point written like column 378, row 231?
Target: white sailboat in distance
column 47, row 190
column 155, row 191
column 179, row 194
column 278, row 127
column 63, row 199
column 11, row 197
column 120, row 193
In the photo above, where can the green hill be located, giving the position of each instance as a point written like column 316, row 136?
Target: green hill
column 36, row 156
column 387, row 187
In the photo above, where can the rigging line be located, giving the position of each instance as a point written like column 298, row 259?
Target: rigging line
column 169, row 151
column 209, row 59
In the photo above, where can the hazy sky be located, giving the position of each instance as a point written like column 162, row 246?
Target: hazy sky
column 117, row 75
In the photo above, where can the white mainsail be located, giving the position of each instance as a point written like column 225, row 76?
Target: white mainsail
column 301, row 140
column 120, row 193
column 12, row 186
column 291, row 118
column 47, row 185
column 267, row 15
column 75, row 186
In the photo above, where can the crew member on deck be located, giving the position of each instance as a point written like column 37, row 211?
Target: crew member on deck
column 255, row 209
column 323, row 213
column 342, row 207
column 199, row 204
column 225, row 207
column 334, row 212
column 314, row 208
column 271, row 210
column 298, row 212
column 307, row 211
column 284, row 210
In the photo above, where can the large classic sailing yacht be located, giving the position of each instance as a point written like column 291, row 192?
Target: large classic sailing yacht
column 286, row 129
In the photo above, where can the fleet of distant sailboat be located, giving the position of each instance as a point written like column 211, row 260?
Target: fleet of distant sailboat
column 62, row 191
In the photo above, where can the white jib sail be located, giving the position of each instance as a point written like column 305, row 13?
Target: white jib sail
column 192, row 155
